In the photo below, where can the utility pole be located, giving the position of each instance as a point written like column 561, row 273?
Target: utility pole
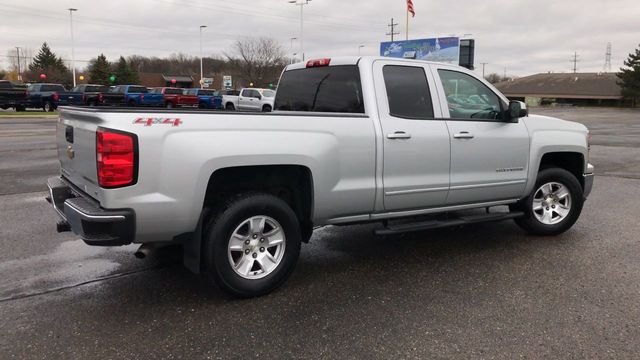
column 607, row 59
column 505, row 72
column 201, row 68
column 18, row 52
column 575, row 61
column 293, row 55
column 73, row 56
column 301, row 3
column 483, row 64
column 391, row 33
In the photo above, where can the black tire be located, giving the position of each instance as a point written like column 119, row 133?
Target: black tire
column 4, row 107
column 48, row 106
column 221, row 225
column 266, row 108
column 169, row 105
column 132, row 103
column 93, row 103
column 20, row 108
column 229, row 107
column 530, row 222
column 202, row 106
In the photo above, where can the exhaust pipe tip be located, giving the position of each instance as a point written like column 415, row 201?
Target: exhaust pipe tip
column 63, row 226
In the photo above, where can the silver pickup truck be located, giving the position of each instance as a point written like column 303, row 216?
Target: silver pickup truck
column 411, row 145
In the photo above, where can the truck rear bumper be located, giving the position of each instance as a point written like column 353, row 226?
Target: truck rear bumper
column 85, row 217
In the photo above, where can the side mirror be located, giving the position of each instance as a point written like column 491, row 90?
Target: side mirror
column 517, row 109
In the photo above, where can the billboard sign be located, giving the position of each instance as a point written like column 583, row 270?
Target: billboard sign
column 444, row 49
column 227, row 82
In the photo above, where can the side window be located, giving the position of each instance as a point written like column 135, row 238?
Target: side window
column 407, row 92
column 469, row 98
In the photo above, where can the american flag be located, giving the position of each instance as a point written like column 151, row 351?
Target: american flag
column 410, row 8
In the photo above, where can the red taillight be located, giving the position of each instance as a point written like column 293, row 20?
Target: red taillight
column 100, row 98
column 115, row 155
column 318, row 62
column 55, row 97
column 141, row 97
column 26, row 94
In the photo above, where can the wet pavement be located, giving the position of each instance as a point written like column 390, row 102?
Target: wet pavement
column 481, row 291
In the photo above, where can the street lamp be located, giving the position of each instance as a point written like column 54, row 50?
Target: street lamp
column 294, row 54
column 301, row 3
column 360, row 47
column 73, row 55
column 201, row 71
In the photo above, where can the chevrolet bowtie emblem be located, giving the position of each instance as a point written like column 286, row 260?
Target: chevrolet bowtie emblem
column 70, row 152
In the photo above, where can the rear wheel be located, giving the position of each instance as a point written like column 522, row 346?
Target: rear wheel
column 202, row 106
column 230, row 107
column 252, row 244
column 554, row 205
column 48, row 106
column 20, row 108
column 169, row 105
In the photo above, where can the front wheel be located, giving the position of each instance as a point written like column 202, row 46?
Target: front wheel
column 554, row 205
column 266, row 108
column 252, row 244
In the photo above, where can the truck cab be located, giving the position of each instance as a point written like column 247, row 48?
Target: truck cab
column 176, row 97
column 137, row 95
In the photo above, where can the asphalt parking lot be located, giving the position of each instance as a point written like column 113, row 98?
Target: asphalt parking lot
column 481, row 291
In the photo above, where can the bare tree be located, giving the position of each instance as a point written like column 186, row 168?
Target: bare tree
column 257, row 60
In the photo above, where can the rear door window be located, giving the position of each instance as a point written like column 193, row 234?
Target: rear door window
column 57, row 88
column 321, row 89
column 407, row 92
column 173, row 91
column 138, row 89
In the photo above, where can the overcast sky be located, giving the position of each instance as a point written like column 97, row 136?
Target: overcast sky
column 525, row 36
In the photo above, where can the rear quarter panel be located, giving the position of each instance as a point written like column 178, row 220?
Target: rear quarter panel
column 176, row 163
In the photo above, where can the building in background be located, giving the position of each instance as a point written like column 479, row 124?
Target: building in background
column 566, row 88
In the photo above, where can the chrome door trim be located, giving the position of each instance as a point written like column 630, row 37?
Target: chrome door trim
column 476, row 186
column 415, row 191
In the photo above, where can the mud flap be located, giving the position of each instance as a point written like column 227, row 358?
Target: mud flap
column 192, row 245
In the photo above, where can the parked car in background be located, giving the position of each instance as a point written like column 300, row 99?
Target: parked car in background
column 12, row 96
column 252, row 99
column 134, row 95
column 207, row 98
column 92, row 95
column 48, row 97
column 175, row 97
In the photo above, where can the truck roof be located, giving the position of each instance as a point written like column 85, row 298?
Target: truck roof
column 353, row 60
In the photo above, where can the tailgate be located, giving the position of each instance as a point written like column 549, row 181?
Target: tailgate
column 76, row 142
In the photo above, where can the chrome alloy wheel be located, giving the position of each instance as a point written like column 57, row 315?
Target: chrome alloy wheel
column 551, row 203
column 256, row 247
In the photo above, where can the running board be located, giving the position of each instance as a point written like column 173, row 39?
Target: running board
column 436, row 224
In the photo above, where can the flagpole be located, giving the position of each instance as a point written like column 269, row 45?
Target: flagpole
column 407, row 28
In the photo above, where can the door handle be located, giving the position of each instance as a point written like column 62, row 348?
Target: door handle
column 463, row 135
column 399, row 135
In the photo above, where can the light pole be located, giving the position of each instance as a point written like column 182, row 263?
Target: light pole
column 73, row 55
column 301, row 3
column 201, row 68
column 18, row 53
column 293, row 54
column 360, row 47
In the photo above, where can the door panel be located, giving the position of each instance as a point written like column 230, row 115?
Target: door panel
column 416, row 148
column 489, row 156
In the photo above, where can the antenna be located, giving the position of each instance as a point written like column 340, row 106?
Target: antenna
column 392, row 25
column 575, row 60
column 607, row 59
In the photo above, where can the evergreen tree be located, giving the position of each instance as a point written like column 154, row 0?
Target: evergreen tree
column 124, row 73
column 630, row 78
column 46, row 61
column 99, row 70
